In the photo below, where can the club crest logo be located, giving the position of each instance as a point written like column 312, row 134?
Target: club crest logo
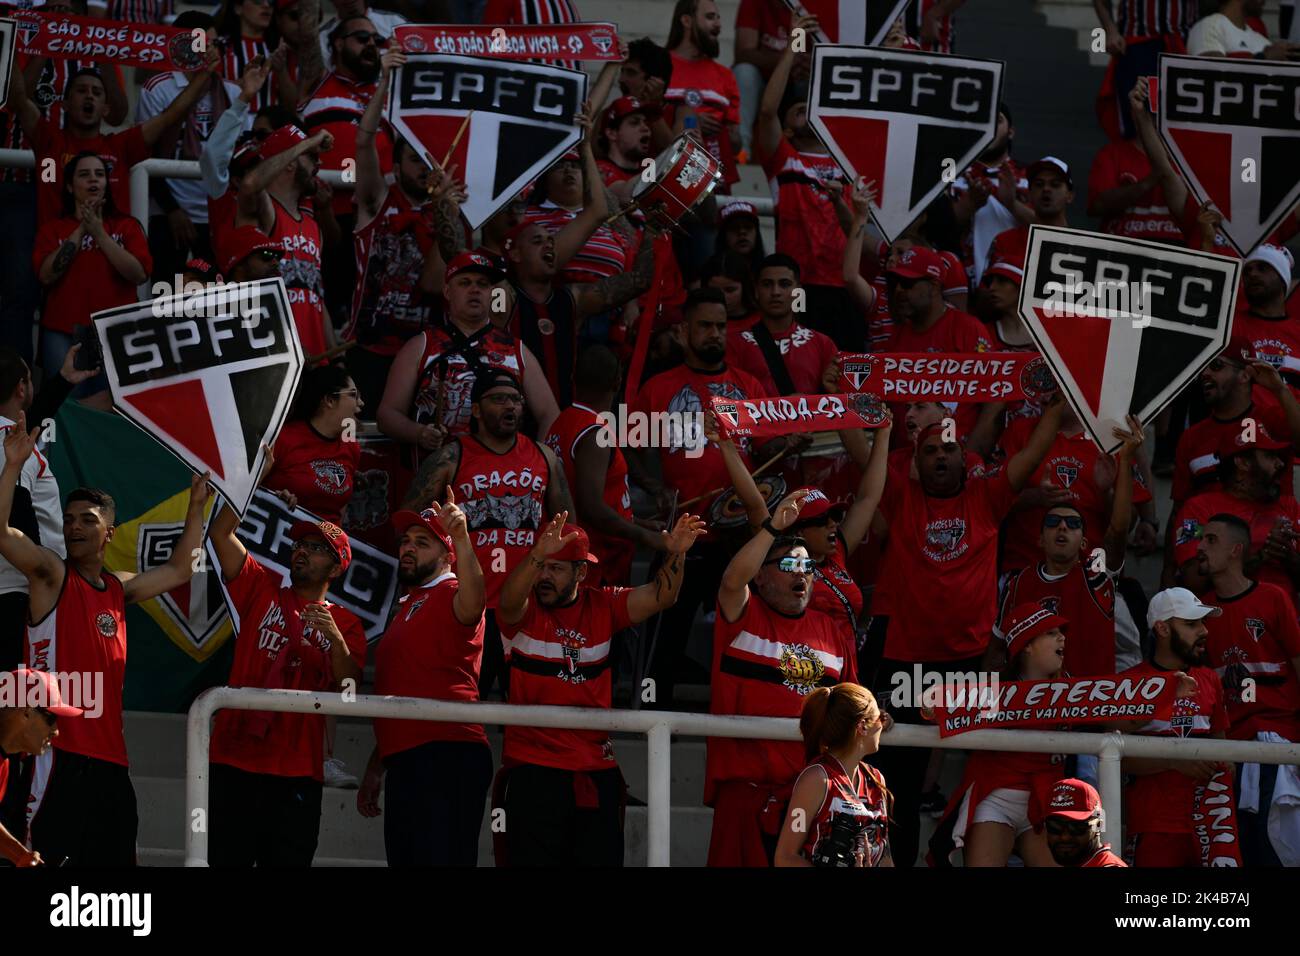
column 1067, row 473
column 870, row 407
column 945, row 539
column 105, row 624
column 1036, row 379
column 857, row 372
column 802, row 668
column 1255, row 628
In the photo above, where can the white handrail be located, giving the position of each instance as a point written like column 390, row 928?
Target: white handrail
column 660, row 726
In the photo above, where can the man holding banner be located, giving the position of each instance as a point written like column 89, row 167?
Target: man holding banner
column 82, row 805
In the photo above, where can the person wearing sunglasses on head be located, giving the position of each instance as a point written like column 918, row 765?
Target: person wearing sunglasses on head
column 1074, row 821
column 839, row 811
column 267, row 768
column 27, row 727
column 770, row 651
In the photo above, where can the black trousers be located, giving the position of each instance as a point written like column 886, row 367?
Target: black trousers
column 433, row 804
column 544, row 826
column 701, row 578
column 13, row 629
column 493, row 669
column 259, row 819
column 87, row 813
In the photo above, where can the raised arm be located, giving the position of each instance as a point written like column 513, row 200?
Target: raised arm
column 512, row 604
column 151, row 129
column 1022, row 466
column 186, row 556
column 433, row 477
column 311, row 64
column 263, row 174
column 40, row 566
column 576, row 232
column 733, row 590
column 768, row 130
column 617, row 290
column 660, row 594
column 858, row 519
column 28, row 113
column 371, row 189
column 1171, row 183
column 471, row 596
column 858, row 288
column 741, row 480
column 1115, row 540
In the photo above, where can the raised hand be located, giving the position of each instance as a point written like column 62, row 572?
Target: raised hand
column 787, row 512
column 1268, row 376
column 254, row 77
column 71, row 374
column 393, row 58
column 864, row 196
column 1132, row 437
column 200, row 491
column 454, row 521
column 684, row 533
column 553, row 539
column 18, row 443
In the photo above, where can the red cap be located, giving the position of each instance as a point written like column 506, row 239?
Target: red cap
column 739, row 208
column 816, row 504
column 1028, row 621
column 242, row 242
column 1007, row 270
column 427, row 520
column 1240, row 351
column 472, row 262
column 334, row 536
column 570, row 156
column 204, row 268
column 625, row 106
column 579, row 549
column 1072, row 799
column 918, row 263
column 246, row 154
column 1237, row 440
column 283, row 138
column 40, row 689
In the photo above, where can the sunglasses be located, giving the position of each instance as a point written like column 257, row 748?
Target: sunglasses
column 1073, row 522
column 351, row 392
column 1059, row 826
column 365, row 37
column 792, row 565
column 268, row 255
column 315, row 547
column 503, row 399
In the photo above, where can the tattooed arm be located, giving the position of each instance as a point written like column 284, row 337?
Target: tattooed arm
column 557, row 486
column 58, row 261
column 434, row 476
column 661, row 593
column 448, row 229
column 615, row 291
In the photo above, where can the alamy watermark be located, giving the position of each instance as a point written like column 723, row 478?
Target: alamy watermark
column 951, row 690
column 84, row 689
column 1104, row 298
column 679, row 431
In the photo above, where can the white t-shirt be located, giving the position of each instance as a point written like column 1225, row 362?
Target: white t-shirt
column 38, row 478
column 1217, row 34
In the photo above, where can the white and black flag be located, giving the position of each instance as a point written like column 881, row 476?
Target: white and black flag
column 910, row 122
column 521, row 120
column 209, row 375
column 1125, row 324
column 1233, row 128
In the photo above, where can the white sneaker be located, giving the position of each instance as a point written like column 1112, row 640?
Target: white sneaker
column 336, row 775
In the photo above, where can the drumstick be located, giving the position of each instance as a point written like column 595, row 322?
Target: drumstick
column 753, row 474
column 329, row 354
column 456, row 142
column 622, row 212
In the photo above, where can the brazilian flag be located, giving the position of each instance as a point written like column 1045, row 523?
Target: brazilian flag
column 179, row 643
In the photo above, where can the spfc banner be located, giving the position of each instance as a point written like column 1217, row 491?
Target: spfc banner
column 850, row 21
column 210, row 375
column 947, row 376
column 519, row 41
column 763, row 418
column 7, row 32
column 1233, row 128
column 366, row 588
column 1125, row 324
column 910, row 122
column 521, row 120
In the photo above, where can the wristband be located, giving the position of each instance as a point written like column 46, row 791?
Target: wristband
column 768, row 527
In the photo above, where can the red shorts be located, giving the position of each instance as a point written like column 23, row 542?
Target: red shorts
column 1166, row 850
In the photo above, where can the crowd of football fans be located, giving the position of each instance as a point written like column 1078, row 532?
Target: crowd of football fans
column 481, row 366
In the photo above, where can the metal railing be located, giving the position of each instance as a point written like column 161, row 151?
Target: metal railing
column 659, row 728
column 148, row 169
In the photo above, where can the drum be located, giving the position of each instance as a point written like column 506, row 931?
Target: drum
column 687, row 173
column 728, row 511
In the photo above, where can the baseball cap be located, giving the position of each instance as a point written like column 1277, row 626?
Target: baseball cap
column 1239, row 351
column 248, row 152
column 737, row 210
column 1026, row 622
column 243, row 242
column 1073, row 799
column 1178, row 603
column 427, row 520
column 204, row 268
column 1235, row 441
column 570, row 156
column 334, row 536
column 1052, row 163
column 1279, row 259
column 40, row 689
column 283, row 138
column 472, row 262
column 1007, row 270
column 493, row 378
column 579, row 549
column 917, row 263
column 625, row 106
column 816, row 504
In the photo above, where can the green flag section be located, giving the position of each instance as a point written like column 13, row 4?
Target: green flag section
column 179, row 643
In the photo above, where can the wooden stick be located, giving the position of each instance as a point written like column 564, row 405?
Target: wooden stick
column 464, row 124
column 717, row 491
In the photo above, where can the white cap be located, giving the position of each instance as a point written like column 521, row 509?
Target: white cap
column 1180, row 603
column 1279, row 259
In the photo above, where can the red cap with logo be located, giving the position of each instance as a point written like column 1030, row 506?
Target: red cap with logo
column 579, row 549
column 917, row 263
column 625, row 106
column 739, row 209
column 334, row 536
column 816, row 504
column 1243, row 438
column 1028, row 621
column 286, row 137
column 472, row 262
column 1073, row 799
column 427, row 520
column 242, row 242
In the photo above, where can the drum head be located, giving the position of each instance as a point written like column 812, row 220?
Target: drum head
column 728, row 510
column 663, row 162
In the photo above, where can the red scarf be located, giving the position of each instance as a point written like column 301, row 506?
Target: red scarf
column 1214, row 821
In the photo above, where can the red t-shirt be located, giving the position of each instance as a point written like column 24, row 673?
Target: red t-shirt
column 275, row 649
column 880, row 323
column 803, row 186
column 1071, row 464
column 317, row 470
column 764, row 664
column 1122, row 163
column 770, row 18
column 682, row 389
column 410, row 661
column 1085, row 599
column 119, row 151
column 806, row 354
column 947, row 547
column 706, row 86
column 956, row 331
column 1104, row 857
column 560, row 656
column 1010, row 245
column 1196, row 462
column 301, row 268
column 1162, row 802
column 1257, row 638
column 1259, row 515
column 85, row 633
column 91, row 283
